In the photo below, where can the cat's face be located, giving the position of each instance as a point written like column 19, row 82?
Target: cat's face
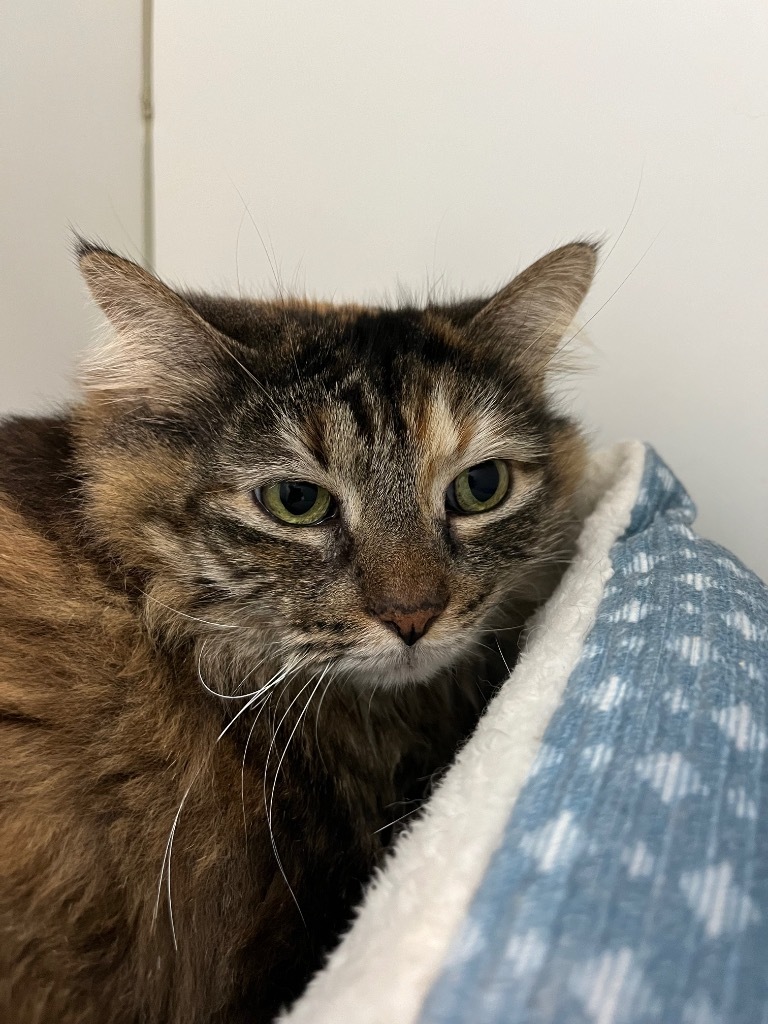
column 350, row 487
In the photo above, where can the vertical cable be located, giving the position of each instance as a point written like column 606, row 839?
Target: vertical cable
column 148, row 114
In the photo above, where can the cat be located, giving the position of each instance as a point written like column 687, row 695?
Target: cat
column 255, row 586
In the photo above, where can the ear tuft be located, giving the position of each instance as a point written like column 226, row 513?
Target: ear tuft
column 527, row 319
column 82, row 245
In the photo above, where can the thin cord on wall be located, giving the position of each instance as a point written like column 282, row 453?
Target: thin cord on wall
column 148, row 115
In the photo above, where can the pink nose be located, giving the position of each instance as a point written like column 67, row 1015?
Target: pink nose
column 410, row 624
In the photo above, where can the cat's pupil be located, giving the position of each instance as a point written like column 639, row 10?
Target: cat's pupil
column 483, row 481
column 298, row 497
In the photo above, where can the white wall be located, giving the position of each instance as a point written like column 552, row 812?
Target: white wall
column 70, row 138
column 378, row 143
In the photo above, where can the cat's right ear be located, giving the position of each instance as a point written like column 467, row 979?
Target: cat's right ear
column 158, row 349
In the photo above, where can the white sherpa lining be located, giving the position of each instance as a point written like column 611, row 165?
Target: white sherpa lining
column 386, row 964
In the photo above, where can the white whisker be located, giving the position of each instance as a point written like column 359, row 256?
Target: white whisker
column 285, row 751
column 228, row 696
column 391, row 823
column 268, row 808
column 506, row 666
column 257, row 694
column 165, row 868
column 264, row 704
column 317, row 722
column 194, row 618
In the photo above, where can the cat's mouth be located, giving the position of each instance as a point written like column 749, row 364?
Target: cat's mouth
column 396, row 663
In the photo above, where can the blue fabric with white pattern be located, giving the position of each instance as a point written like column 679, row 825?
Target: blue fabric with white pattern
column 631, row 886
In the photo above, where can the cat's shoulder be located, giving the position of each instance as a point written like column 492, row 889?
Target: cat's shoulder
column 39, row 499
column 60, row 615
column 37, row 475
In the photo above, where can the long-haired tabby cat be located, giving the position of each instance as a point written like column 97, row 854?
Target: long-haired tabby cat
column 248, row 591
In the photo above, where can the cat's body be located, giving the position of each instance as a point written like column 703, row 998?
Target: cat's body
column 210, row 715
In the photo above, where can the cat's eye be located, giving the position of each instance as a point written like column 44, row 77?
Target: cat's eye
column 479, row 488
column 297, row 502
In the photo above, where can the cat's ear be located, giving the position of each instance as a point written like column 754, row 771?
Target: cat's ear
column 158, row 348
column 525, row 322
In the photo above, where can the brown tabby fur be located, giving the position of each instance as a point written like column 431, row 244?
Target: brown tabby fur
column 137, row 575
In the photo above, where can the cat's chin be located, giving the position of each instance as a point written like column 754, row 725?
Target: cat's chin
column 401, row 667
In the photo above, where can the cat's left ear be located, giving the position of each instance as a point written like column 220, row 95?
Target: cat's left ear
column 159, row 349
column 525, row 322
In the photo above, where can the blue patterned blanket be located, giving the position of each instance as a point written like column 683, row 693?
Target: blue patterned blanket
column 599, row 853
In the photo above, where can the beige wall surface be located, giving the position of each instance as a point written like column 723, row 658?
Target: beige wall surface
column 378, row 144
column 70, row 157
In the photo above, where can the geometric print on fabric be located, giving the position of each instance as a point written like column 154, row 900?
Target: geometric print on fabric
column 631, row 885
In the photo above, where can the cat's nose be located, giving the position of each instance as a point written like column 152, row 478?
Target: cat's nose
column 410, row 624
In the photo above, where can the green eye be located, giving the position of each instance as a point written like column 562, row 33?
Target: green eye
column 297, row 502
column 478, row 488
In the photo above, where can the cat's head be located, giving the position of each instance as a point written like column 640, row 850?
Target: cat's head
column 331, row 485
